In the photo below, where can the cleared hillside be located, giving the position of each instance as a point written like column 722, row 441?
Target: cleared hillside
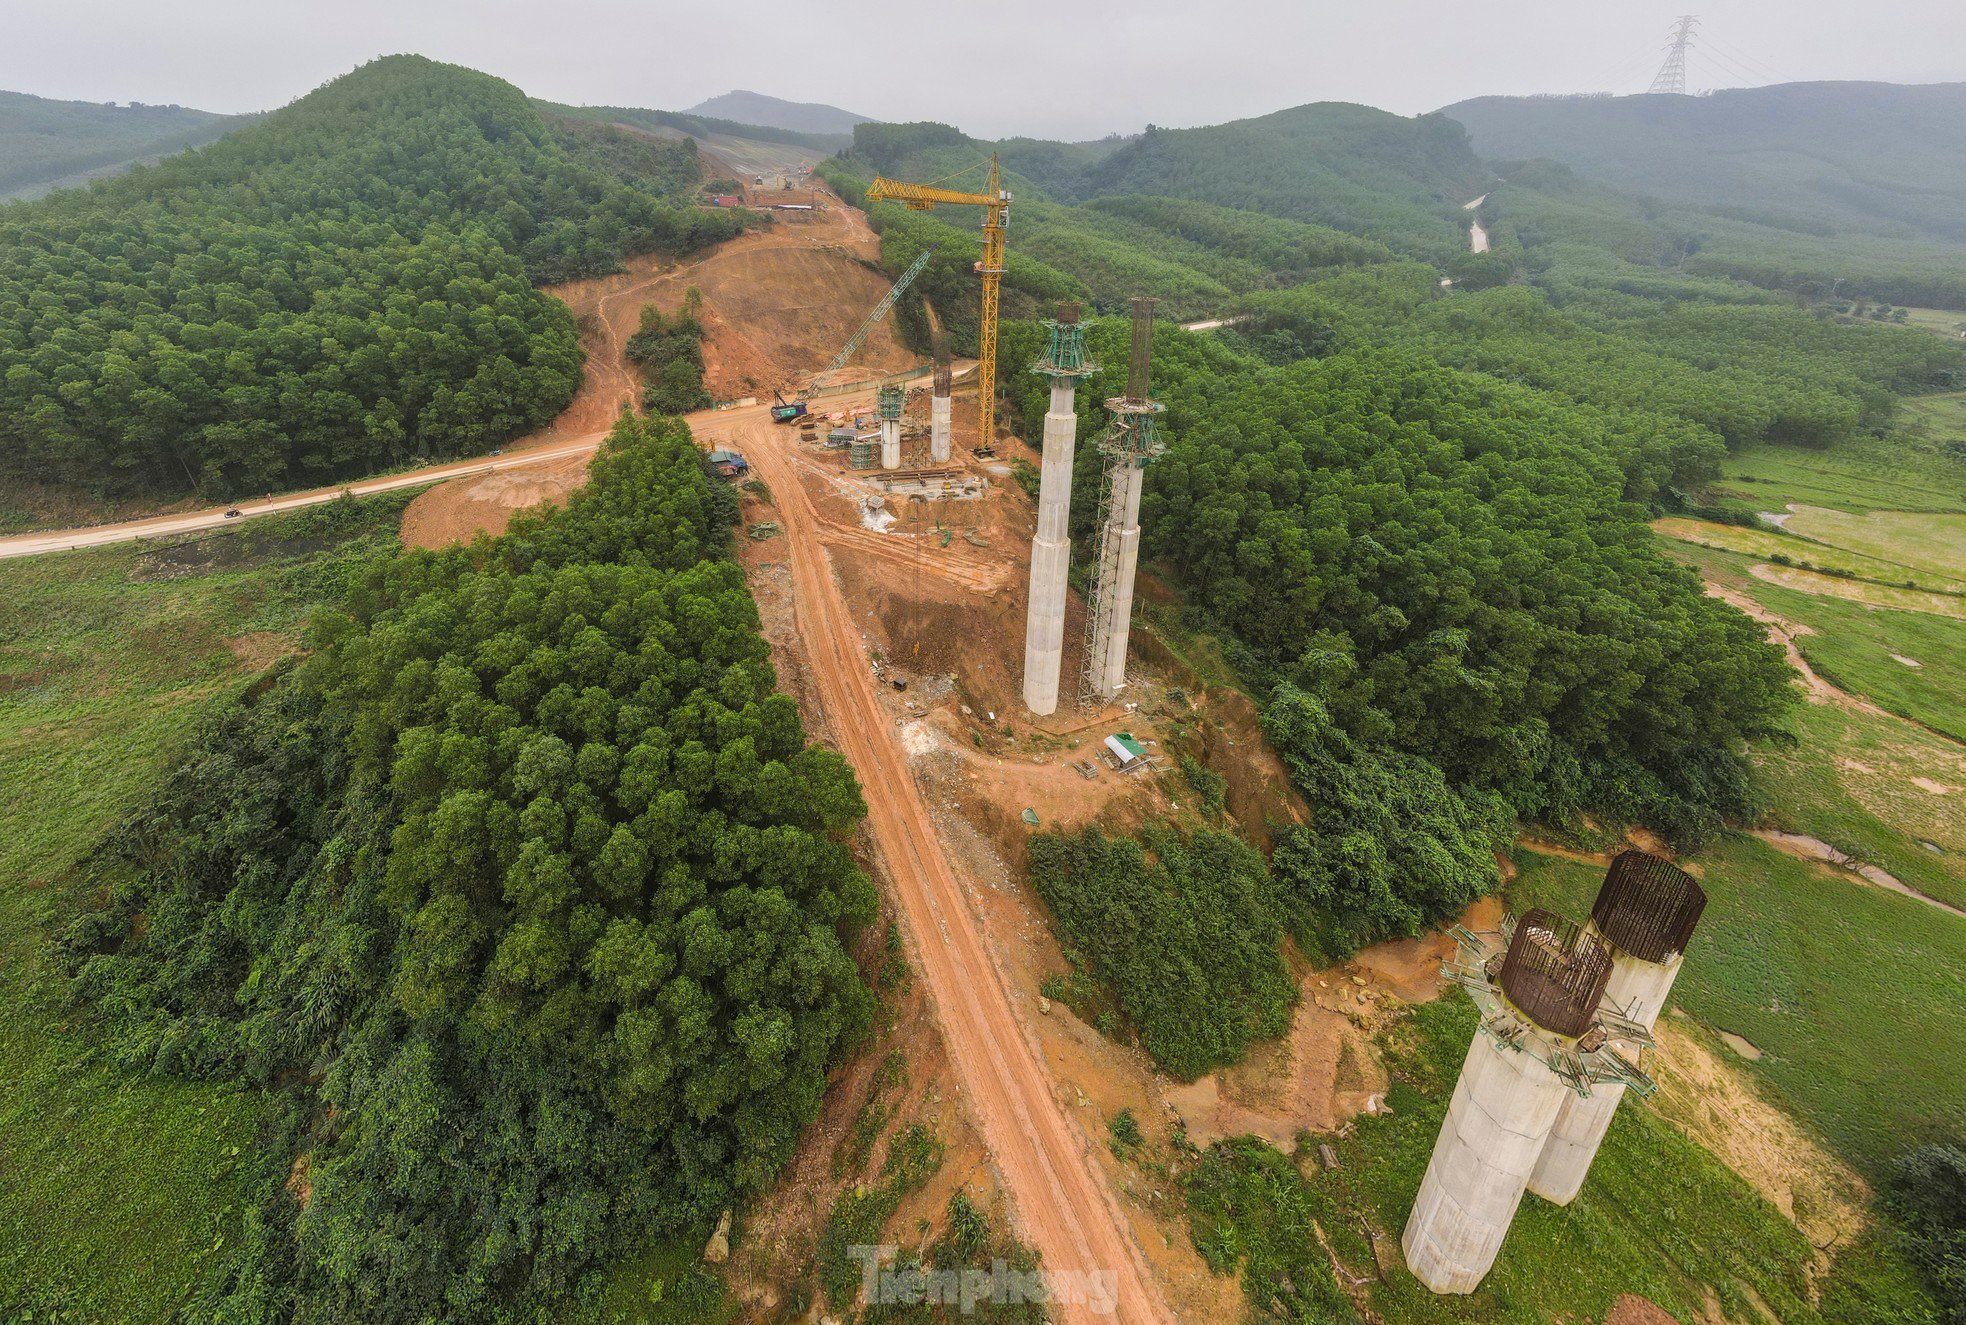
column 46, row 144
column 1820, row 157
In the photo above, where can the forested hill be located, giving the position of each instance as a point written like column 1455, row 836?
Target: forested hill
column 1874, row 157
column 1397, row 180
column 345, row 286
column 45, row 144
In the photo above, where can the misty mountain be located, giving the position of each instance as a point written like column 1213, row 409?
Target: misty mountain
column 774, row 113
column 46, row 144
column 1877, row 158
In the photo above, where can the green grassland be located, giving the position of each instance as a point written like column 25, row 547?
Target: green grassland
column 116, row 1191
column 1851, row 993
column 1925, row 542
column 1908, row 472
column 1659, row 1217
column 1848, row 780
column 1853, row 643
column 1791, row 549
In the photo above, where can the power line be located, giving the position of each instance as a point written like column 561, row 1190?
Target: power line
column 1761, row 68
column 1671, row 78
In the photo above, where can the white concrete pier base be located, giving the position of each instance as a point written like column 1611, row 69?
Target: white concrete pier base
column 1503, row 1108
column 1638, row 990
column 890, row 443
column 1051, row 554
column 938, row 430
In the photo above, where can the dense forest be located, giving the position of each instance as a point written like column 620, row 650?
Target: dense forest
column 523, row 897
column 44, row 143
column 343, row 287
column 1443, row 588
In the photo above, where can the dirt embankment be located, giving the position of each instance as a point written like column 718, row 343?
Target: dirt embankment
column 1064, row 1205
column 777, row 304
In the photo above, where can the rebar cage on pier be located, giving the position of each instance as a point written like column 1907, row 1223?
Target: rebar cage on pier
column 1648, row 906
column 1555, row 973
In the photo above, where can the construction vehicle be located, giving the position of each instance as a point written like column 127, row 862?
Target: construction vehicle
column 996, row 216
column 785, row 411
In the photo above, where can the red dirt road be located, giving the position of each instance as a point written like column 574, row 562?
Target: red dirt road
column 1065, row 1207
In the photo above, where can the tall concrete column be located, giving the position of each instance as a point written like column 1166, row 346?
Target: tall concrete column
column 1125, row 513
column 1131, row 442
column 1503, row 1108
column 1051, row 554
column 1063, row 361
column 1645, row 914
column 1538, row 1042
column 938, row 418
column 888, row 403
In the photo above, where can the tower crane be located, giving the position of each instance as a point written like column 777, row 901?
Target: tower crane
column 873, row 319
column 996, row 215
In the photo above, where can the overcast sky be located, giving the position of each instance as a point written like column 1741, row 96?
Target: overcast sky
column 1052, row 68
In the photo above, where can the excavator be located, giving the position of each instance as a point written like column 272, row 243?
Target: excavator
column 785, row 411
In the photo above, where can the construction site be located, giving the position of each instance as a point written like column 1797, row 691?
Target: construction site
column 921, row 607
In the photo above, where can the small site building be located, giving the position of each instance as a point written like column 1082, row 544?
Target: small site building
column 730, row 463
column 1128, row 754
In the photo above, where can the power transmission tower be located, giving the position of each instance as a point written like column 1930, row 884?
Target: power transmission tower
column 1672, row 74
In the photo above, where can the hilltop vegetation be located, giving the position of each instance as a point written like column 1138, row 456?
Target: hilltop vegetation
column 1816, row 158
column 525, row 897
column 341, row 288
column 47, row 144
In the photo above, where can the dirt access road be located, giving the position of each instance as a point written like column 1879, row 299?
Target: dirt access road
column 1066, row 1209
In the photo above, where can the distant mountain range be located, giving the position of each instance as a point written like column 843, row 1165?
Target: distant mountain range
column 774, row 113
column 1874, row 158
column 47, row 144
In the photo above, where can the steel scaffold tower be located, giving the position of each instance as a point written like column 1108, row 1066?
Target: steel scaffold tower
column 1131, row 442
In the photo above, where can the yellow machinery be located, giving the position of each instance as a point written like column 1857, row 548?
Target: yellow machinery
column 996, row 215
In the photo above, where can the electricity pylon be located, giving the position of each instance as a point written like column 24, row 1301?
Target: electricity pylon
column 1672, row 74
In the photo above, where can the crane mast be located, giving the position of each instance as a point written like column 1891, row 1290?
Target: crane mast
column 996, row 215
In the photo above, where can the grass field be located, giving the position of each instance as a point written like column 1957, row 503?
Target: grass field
column 1851, row 993
column 1865, row 592
column 1852, row 779
column 117, row 1191
column 1930, row 542
column 1772, row 545
column 1936, row 420
column 1859, row 647
column 1906, row 472
column 1659, row 1217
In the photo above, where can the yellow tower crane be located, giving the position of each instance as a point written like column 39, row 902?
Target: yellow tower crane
column 996, row 215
